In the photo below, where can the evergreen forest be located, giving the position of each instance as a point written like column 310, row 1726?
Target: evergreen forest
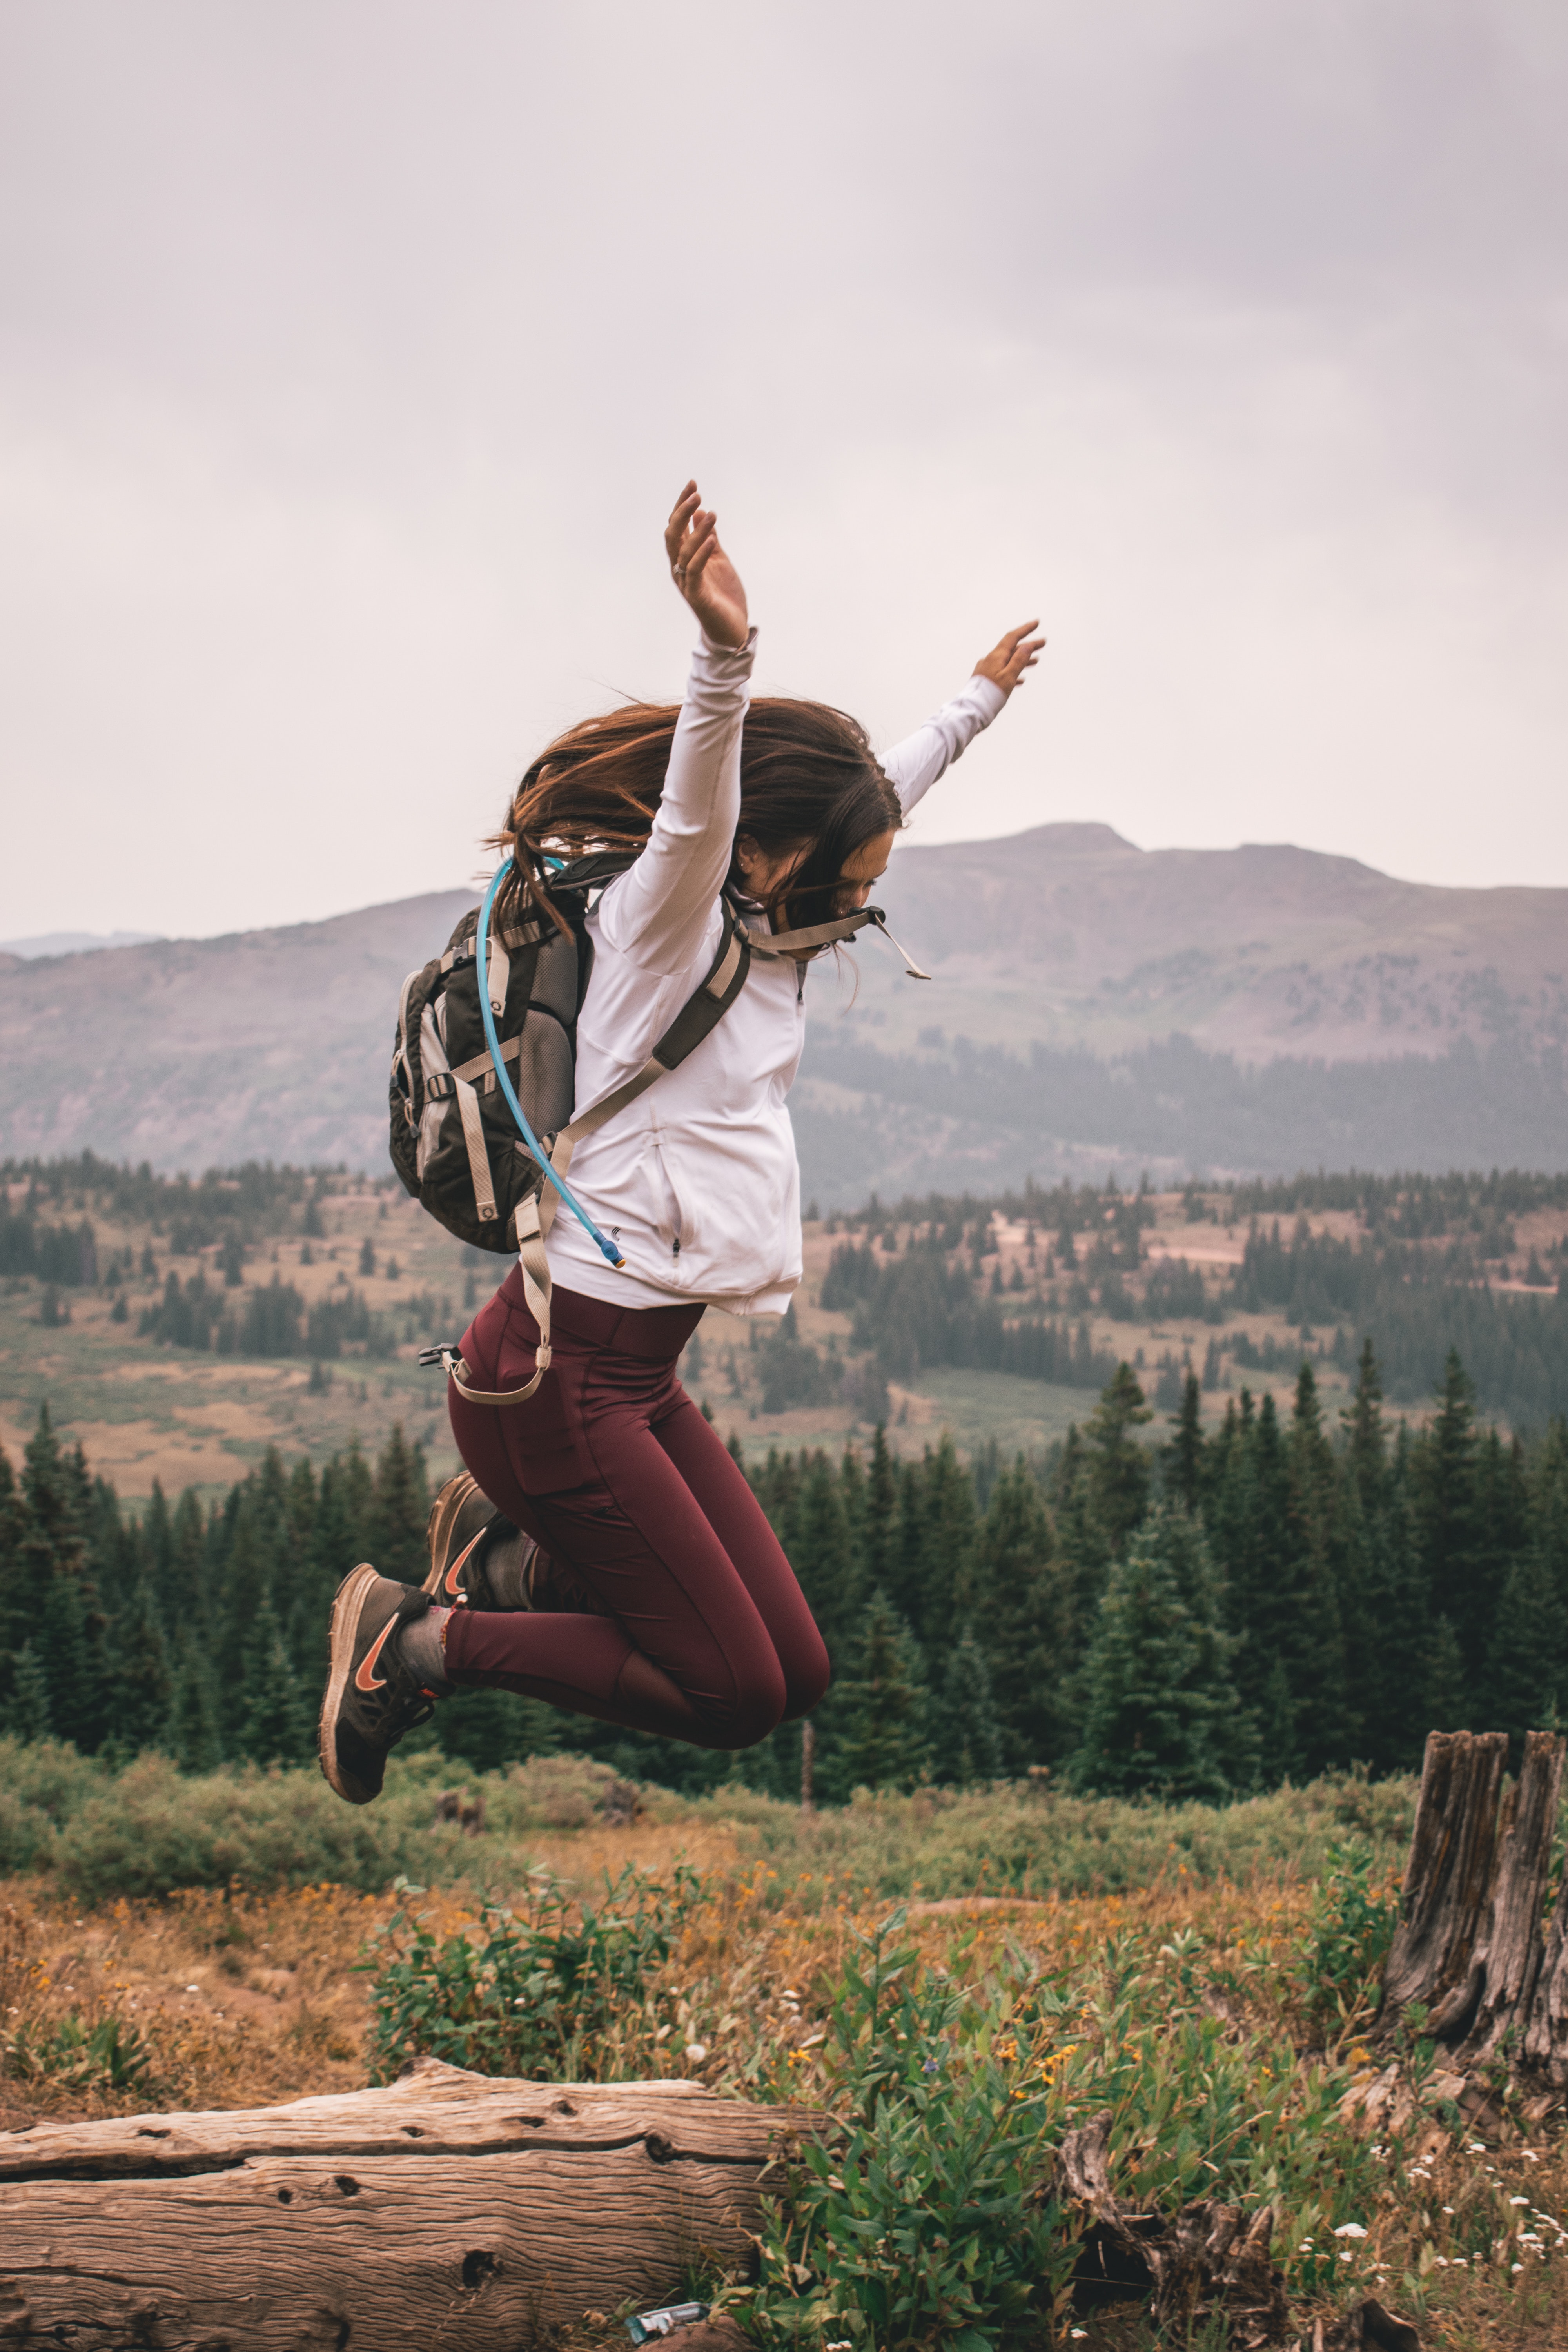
column 1190, row 1606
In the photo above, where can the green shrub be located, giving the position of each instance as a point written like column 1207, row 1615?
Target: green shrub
column 536, row 1992
column 924, row 2220
column 1355, row 1910
column 148, row 1829
column 111, row 2056
column 154, row 1830
column 42, row 1783
column 1020, row 1838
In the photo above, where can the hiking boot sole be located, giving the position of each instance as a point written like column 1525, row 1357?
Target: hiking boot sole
column 346, row 1606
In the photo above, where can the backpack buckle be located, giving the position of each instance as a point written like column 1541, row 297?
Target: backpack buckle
column 440, row 1087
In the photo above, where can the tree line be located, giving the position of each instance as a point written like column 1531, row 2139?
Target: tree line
column 1175, row 1102
column 1211, row 1607
column 930, row 1303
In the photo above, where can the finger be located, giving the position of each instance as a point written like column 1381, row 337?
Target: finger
column 697, row 565
column 1014, row 636
column 698, row 536
column 679, row 516
column 690, row 548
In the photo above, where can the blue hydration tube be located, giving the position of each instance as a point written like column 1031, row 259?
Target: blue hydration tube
column 482, row 943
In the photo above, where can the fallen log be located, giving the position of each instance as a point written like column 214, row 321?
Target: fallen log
column 447, row 2208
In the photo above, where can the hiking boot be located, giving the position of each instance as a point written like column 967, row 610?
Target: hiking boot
column 462, row 1511
column 372, row 1699
column 478, row 1559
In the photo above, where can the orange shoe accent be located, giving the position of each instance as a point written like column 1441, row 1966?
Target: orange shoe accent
column 451, row 1583
column 364, row 1680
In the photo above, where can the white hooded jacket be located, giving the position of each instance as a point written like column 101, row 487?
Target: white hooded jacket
column 697, row 1179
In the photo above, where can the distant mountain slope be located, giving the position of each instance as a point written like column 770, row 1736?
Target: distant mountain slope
column 199, row 1053
column 1080, row 938
column 1092, row 1005
column 57, row 943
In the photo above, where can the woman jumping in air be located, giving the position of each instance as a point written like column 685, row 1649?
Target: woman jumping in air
column 602, row 1551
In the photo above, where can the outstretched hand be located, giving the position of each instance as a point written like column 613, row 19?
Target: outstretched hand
column 703, row 572
column 1005, row 663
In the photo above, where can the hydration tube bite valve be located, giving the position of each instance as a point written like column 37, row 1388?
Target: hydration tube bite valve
column 481, row 954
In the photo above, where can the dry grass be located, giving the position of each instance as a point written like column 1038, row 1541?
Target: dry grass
column 245, row 2000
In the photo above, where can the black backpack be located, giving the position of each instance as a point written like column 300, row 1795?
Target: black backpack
column 454, row 1141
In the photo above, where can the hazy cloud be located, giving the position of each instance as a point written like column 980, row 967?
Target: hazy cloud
column 351, row 354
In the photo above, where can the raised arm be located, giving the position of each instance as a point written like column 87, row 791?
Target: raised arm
column 660, row 910
column 913, row 766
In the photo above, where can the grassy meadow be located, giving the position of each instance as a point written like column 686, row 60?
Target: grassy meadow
column 963, row 1975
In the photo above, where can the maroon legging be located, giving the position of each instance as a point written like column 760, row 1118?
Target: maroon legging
column 614, row 1471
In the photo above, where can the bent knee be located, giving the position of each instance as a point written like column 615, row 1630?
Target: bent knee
column 755, row 1707
column 806, row 1679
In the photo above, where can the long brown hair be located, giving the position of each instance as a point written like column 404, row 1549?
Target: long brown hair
column 809, row 782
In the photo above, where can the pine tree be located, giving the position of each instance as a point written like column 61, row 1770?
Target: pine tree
column 1182, row 1458
column 158, row 1543
column 1081, row 1546
column 1250, row 1525
column 52, row 1536
column 1118, row 1464
column 1158, row 1687
column 943, row 1584
column 194, row 1737
column 272, row 1724
column 821, row 1553
column 882, row 1705
column 342, row 1532
column 29, row 1708
column 1315, row 1658
column 1023, row 1607
column 1522, row 1682
column 183, row 1600
column 402, row 1508
column 1444, row 1496
column 879, row 1540
column 968, row 1736
column 1444, row 1679
column 59, row 1644
column 1366, row 1444
column 1548, row 1491
column 488, row 1729
column 15, row 1582
column 1277, row 1750
column 1503, row 1533
column 142, row 1685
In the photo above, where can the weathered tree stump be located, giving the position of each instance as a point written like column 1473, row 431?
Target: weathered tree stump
column 1212, row 2259
column 1470, row 1944
column 449, row 2208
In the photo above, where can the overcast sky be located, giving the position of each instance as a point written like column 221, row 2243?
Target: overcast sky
column 351, row 353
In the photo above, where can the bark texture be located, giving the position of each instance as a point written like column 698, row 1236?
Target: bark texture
column 1448, row 1876
column 446, row 2209
column 1212, row 2262
column 1470, row 1944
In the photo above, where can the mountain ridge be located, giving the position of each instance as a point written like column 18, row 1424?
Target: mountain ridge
column 1125, row 1004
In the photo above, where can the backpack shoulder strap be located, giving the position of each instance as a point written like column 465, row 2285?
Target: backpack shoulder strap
column 697, row 1019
